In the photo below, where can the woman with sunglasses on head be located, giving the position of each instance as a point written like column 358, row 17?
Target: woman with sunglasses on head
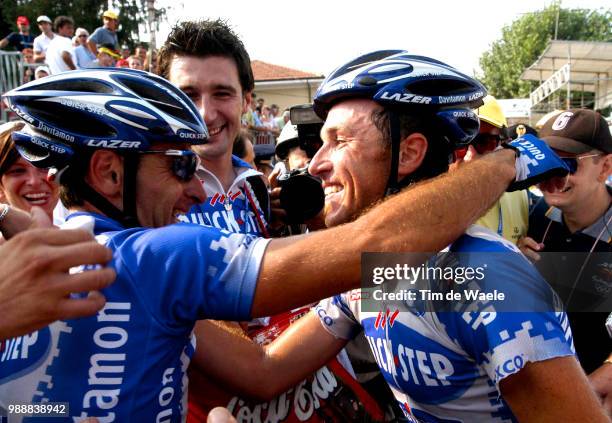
column 22, row 185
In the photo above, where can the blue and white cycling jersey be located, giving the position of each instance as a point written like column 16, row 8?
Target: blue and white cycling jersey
column 128, row 362
column 446, row 366
column 234, row 210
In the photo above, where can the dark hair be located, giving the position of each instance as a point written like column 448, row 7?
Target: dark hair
column 206, row 38
column 439, row 149
column 61, row 21
column 8, row 152
column 70, row 182
column 239, row 146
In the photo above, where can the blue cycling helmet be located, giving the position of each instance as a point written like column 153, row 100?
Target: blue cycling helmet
column 400, row 81
column 72, row 114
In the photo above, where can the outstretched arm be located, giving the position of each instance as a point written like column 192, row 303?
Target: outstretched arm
column 423, row 218
column 554, row 390
column 263, row 372
column 35, row 283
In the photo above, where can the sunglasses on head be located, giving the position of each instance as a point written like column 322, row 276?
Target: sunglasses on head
column 184, row 162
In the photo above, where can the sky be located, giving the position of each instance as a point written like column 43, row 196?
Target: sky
column 319, row 35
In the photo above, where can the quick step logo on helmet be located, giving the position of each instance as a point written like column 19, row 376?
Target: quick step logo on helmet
column 463, row 113
column 114, row 144
column 53, row 147
column 406, row 98
column 192, row 135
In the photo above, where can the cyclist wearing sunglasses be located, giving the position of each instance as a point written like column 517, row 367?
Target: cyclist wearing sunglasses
column 570, row 236
column 509, row 216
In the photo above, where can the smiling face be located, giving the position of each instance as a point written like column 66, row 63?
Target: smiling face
column 24, row 186
column 213, row 85
column 45, row 27
column 579, row 188
column 160, row 195
column 353, row 162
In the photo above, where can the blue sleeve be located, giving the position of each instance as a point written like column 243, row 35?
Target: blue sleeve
column 504, row 338
column 95, row 36
column 187, row 272
column 13, row 39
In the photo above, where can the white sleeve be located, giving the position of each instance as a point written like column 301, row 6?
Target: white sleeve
column 37, row 47
column 337, row 318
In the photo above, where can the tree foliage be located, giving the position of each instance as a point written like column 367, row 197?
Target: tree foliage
column 86, row 14
column 524, row 40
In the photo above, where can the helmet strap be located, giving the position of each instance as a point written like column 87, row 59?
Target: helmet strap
column 130, row 169
column 128, row 217
column 394, row 129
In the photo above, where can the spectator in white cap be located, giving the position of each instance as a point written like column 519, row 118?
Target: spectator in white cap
column 41, row 72
column 82, row 53
column 42, row 41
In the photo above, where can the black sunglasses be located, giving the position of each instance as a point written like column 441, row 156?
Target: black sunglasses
column 184, row 162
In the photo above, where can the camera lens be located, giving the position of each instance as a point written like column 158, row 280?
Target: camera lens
column 302, row 197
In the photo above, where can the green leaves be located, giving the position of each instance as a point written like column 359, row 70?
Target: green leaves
column 524, row 40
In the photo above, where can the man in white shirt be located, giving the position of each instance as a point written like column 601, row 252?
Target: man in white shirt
column 41, row 43
column 60, row 53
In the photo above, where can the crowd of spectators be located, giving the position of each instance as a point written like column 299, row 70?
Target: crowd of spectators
column 59, row 48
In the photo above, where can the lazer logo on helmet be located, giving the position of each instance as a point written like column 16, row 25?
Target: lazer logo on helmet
column 192, row 135
column 22, row 115
column 113, row 144
column 476, row 96
column 405, row 98
column 55, row 132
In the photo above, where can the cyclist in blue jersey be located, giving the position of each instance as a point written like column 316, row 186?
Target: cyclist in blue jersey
column 392, row 120
column 118, row 142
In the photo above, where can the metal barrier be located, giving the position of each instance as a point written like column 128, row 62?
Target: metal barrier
column 264, row 144
column 11, row 76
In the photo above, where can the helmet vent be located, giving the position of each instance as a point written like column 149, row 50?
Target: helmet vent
column 157, row 97
column 439, row 87
column 84, row 86
column 367, row 81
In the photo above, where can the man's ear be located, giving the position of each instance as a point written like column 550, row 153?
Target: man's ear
column 105, row 174
column 411, row 154
column 606, row 168
column 247, row 101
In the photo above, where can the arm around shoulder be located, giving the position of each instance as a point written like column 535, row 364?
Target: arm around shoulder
column 327, row 262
